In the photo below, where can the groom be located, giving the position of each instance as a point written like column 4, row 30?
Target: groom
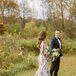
column 56, row 44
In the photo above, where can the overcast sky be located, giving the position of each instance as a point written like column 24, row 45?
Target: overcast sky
column 38, row 9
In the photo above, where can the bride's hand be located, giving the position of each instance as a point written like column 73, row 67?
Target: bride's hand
column 61, row 58
column 58, row 50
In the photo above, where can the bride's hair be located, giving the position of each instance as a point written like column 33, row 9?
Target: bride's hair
column 42, row 36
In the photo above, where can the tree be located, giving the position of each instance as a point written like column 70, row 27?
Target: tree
column 8, row 8
column 73, row 9
column 24, row 11
column 56, row 12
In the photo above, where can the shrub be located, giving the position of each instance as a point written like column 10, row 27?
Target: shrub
column 69, row 46
column 31, row 30
column 14, row 28
column 2, row 28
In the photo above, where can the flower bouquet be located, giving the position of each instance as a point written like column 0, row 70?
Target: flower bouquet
column 55, row 54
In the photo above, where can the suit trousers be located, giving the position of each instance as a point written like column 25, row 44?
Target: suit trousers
column 55, row 67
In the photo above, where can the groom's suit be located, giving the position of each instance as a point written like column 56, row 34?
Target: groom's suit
column 55, row 44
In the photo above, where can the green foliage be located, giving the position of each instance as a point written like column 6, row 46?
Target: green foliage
column 14, row 28
column 18, row 51
column 70, row 29
column 31, row 30
column 69, row 46
column 11, row 47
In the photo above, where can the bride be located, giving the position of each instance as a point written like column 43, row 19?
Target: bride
column 43, row 69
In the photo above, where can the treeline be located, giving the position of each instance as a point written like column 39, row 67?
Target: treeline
column 61, row 14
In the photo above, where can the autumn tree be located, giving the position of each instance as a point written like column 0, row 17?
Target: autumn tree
column 24, row 12
column 8, row 8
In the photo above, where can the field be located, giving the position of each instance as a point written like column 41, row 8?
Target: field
column 67, row 68
column 18, row 56
column 21, row 22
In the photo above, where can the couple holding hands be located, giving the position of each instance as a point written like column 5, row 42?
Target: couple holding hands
column 54, row 53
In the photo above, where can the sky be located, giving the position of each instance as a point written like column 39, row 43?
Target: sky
column 38, row 8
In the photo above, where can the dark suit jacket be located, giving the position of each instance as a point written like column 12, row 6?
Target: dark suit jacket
column 55, row 44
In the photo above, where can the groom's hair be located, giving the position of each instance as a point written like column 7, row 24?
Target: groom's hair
column 57, row 30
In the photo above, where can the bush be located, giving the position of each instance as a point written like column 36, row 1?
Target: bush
column 69, row 46
column 2, row 28
column 14, row 28
column 31, row 30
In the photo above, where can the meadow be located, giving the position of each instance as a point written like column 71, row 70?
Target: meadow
column 18, row 56
column 67, row 68
column 21, row 21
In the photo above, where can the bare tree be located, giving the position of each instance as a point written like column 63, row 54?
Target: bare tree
column 8, row 8
column 56, row 12
column 24, row 11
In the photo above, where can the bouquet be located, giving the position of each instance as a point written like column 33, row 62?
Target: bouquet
column 55, row 54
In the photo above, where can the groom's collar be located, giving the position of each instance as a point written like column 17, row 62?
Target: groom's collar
column 57, row 37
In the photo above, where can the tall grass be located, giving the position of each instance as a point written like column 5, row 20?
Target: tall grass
column 19, row 54
column 16, row 54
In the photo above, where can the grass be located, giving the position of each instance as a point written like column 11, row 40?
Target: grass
column 18, row 56
column 67, row 68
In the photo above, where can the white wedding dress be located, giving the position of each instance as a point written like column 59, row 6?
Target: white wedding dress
column 43, row 69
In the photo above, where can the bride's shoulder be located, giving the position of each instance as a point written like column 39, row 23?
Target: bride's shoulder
column 43, row 42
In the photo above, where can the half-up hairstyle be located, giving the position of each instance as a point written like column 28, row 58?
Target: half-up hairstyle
column 42, row 36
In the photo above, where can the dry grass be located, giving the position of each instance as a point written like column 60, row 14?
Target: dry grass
column 67, row 68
